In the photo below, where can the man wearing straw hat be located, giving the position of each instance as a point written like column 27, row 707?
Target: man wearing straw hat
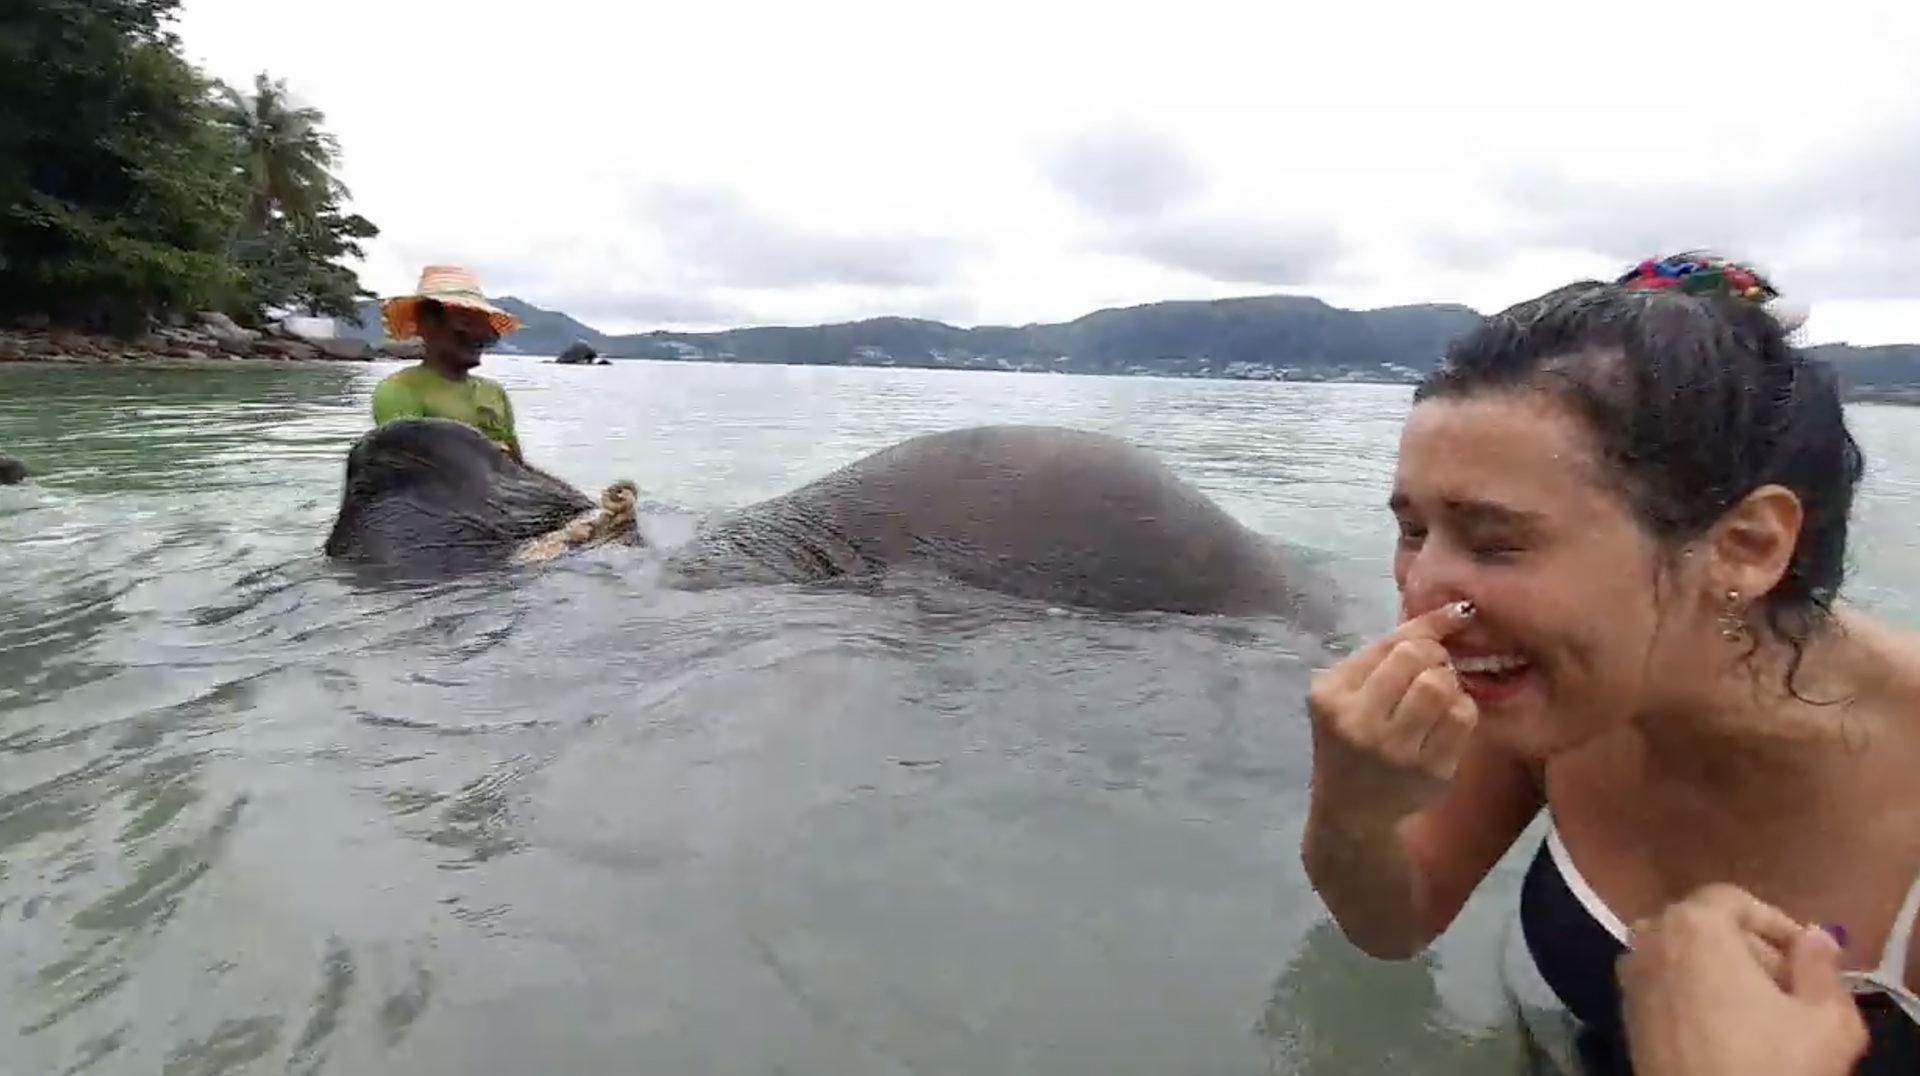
column 456, row 323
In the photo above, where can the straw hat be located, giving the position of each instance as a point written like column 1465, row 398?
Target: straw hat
column 452, row 286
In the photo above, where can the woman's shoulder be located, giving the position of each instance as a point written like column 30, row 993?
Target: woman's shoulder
column 1904, row 660
column 1889, row 655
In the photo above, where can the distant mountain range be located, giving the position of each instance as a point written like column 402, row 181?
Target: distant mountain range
column 1276, row 337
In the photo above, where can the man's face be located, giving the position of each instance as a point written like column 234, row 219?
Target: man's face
column 455, row 337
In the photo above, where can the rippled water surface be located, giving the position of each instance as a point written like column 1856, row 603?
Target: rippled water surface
column 256, row 818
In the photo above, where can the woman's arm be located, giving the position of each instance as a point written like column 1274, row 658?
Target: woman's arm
column 1395, row 884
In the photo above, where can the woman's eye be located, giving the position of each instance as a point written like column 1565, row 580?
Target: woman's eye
column 1495, row 550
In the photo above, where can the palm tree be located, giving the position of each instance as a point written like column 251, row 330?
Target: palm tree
column 285, row 158
column 293, row 230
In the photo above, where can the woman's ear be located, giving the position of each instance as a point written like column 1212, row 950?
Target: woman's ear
column 1753, row 542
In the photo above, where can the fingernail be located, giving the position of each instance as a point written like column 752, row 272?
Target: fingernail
column 1837, row 932
column 1463, row 609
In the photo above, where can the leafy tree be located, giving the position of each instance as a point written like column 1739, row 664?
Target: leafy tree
column 114, row 202
column 293, row 232
column 132, row 188
column 284, row 268
column 285, row 159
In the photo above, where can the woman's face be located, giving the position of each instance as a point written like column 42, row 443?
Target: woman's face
column 1500, row 500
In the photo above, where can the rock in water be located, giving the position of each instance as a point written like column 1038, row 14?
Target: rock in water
column 232, row 339
column 12, row 471
column 218, row 322
column 578, row 353
column 344, row 347
column 401, row 349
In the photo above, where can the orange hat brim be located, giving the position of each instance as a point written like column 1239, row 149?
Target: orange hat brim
column 400, row 315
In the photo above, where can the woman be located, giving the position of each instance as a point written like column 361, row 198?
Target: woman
column 1623, row 517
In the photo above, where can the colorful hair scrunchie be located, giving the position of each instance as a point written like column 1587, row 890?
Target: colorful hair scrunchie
column 1698, row 272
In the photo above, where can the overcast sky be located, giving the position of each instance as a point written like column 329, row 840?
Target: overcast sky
column 711, row 163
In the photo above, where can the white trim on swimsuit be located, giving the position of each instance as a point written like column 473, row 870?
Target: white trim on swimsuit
column 1888, row 977
column 1582, row 892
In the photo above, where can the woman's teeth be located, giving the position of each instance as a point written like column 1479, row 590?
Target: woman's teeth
column 1491, row 664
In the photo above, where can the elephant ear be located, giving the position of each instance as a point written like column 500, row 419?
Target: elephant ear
column 427, row 489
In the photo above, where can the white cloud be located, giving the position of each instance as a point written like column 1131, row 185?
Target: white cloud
column 1235, row 250
column 714, row 237
column 1122, row 171
column 1013, row 162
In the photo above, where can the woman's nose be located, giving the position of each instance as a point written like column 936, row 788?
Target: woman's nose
column 1433, row 576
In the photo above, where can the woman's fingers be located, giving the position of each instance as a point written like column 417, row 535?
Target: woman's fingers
column 1419, row 728
column 1380, row 697
column 1433, row 625
column 1446, row 742
column 1380, row 717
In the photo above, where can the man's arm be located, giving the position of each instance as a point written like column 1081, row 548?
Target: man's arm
column 513, row 433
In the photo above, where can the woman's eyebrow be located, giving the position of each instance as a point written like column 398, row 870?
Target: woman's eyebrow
column 1472, row 510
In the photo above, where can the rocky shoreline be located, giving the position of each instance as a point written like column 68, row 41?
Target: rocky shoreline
column 209, row 340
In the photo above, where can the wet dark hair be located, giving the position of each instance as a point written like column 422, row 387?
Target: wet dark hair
column 1694, row 400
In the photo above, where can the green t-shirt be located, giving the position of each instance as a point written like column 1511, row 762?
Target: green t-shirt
column 418, row 392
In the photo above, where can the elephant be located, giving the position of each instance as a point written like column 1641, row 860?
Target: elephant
column 1066, row 516
column 431, row 496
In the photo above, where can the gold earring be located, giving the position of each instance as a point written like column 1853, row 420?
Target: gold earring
column 1733, row 626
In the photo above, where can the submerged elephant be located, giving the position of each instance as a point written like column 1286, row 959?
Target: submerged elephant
column 1061, row 515
column 433, row 496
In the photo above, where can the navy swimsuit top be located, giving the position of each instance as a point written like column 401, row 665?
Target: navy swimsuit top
column 1574, row 939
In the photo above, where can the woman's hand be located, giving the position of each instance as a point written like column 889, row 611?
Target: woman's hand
column 1391, row 721
column 1724, row 983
